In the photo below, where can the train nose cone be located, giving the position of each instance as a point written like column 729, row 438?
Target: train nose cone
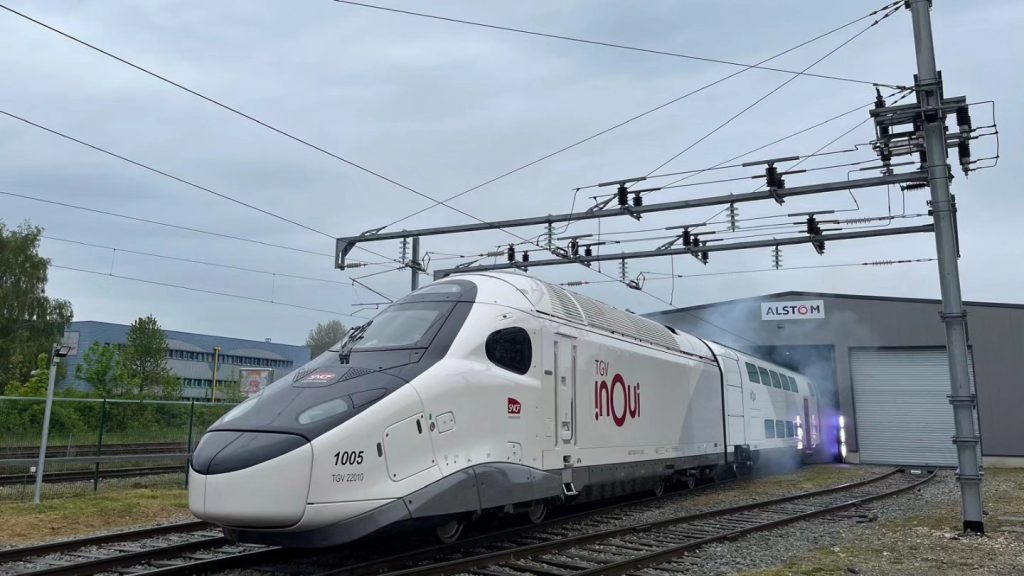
column 252, row 479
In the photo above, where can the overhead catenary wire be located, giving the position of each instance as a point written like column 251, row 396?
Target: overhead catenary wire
column 629, row 120
column 192, row 260
column 204, row 291
column 224, row 106
column 175, row 178
column 655, row 276
column 604, row 43
column 178, row 226
column 889, row 10
column 905, row 94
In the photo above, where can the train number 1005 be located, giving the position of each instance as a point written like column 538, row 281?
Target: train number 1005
column 346, row 458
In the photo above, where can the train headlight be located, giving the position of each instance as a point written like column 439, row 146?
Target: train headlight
column 842, row 435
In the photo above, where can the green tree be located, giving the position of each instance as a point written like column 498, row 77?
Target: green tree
column 142, row 363
column 37, row 382
column 325, row 335
column 99, row 367
column 30, row 321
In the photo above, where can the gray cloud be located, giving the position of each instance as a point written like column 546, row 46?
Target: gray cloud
column 441, row 107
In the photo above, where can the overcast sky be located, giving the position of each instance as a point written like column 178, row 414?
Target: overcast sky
column 441, row 107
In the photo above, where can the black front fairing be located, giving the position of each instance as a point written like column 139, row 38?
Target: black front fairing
column 343, row 382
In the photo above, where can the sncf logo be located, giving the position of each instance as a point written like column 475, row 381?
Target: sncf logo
column 515, row 407
column 618, row 400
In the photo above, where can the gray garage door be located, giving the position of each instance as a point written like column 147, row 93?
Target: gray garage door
column 903, row 414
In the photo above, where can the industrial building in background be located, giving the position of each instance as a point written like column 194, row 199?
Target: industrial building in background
column 247, row 365
column 885, row 363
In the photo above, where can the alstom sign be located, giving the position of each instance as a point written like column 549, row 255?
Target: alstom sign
column 803, row 310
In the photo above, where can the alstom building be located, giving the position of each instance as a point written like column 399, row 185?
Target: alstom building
column 883, row 367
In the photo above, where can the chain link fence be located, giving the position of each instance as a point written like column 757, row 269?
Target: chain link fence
column 99, row 444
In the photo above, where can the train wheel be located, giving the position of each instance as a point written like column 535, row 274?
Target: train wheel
column 659, row 488
column 691, row 481
column 450, row 531
column 537, row 512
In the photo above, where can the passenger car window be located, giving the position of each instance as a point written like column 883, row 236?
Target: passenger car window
column 785, row 382
column 510, row 348
column 776, row 383
column 752, row 373
column 769, row 428
column 793, row 386
column 780, row 429
column 790, row 429
column 765, row 379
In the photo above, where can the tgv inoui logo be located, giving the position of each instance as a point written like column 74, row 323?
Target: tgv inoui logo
column 617, row 400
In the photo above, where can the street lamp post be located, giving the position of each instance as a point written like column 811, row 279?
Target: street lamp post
column 58, row 352
column 213, row 388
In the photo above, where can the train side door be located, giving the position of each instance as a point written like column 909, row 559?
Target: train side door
column 735, row 419
column 565, row 389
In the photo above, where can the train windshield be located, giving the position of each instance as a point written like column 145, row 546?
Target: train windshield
column 403, row 325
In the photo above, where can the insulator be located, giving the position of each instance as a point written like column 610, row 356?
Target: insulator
column 879, row 101
column 638, row 200
column 622, row 193
column 623, row 269
column 812, row 226
column 733, row 213
column 687, row 241
column 913, row 186
column 588, row 251
column 963, row 118
column 526, row 256
column 511, row 254
column 694, row 241
column 963, row 149
column 354, row 264
column 704, row 257
column 819, row 247
column 574, row 247
column 405, row 249
column 858, row 220
column 572, row 283
column 777, row 257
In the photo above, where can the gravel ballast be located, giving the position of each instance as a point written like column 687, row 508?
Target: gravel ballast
column 913, row 533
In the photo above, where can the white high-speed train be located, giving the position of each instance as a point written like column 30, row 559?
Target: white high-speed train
column 489, row 392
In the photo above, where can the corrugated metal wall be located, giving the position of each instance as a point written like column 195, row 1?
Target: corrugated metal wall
column 903, row 413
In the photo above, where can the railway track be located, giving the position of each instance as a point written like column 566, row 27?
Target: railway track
column 661, row 544
column 88, row 475
column 167, row 552
column 109, row 552
column 609, row 539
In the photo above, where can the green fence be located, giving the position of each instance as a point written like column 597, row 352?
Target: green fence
column 98, row 444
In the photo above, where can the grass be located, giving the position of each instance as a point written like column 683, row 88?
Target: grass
column 84, row 515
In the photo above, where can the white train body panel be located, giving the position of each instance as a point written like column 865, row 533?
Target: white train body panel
column 481, row 392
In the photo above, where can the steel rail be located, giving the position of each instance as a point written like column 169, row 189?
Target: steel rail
column 127, row 559
column 523, row 552
column 84, row 475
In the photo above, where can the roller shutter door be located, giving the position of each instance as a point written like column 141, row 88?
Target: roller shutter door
column 903, row 415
